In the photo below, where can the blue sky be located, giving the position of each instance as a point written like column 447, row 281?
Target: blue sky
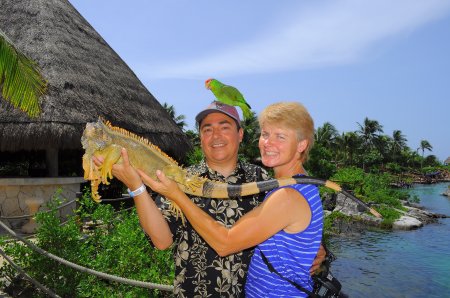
column 344, row 60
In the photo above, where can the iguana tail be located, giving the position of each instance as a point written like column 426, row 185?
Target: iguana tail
column 218, row 190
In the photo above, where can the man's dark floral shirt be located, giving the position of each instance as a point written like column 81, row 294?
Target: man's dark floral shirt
column 199, row 270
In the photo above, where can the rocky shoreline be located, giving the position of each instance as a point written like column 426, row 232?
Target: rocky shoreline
column 356, row 220
column 447, row 193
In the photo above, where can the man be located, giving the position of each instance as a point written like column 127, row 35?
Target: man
column 199, row 270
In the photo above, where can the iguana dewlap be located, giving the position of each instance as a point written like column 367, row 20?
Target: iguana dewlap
column 102, row 139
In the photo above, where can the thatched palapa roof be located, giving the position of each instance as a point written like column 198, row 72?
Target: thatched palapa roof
column 86, row 79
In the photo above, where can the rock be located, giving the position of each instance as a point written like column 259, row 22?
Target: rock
column 406, row 223
column 359, row 221
column 347, row 206
column 355, row 225
column 447, row 193
column 412, row 204
column 348, row 227
column 329, row 201
column 414, row 217
column 422, row 215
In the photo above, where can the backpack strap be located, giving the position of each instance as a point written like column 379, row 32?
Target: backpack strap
column 273, row 270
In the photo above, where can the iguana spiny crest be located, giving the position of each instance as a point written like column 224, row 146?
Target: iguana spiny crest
column 102, row 139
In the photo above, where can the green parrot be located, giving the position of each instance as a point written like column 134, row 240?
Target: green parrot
column 229, row 95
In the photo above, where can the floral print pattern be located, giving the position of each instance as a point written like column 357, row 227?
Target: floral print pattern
column 199, row 271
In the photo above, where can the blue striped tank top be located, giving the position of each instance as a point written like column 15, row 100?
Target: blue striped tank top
column 291, row 254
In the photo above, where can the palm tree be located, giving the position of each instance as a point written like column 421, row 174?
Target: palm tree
column 424, row 145
column 20, row 79
column 179, row 120
column 398, row 143
column 350, row 144
column 411, row 157
column 326, row 135
column 384, row 147
column 369, row 132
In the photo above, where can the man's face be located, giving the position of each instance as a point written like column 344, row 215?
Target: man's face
column 220, row 139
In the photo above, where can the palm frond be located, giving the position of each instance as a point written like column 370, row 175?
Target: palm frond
column 20, row 79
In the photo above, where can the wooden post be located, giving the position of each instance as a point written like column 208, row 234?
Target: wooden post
column 51, row 157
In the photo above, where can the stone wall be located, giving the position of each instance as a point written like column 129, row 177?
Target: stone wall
column 16, row 194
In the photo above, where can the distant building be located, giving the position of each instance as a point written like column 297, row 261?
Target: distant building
column 447, row 161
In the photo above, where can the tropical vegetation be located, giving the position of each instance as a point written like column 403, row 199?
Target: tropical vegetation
column 366, row 148
column 21, row 81
column 97, row 237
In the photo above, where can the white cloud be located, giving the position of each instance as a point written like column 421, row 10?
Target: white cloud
column 328, row 33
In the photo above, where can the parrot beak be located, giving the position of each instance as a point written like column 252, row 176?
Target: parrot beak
column 207, row 84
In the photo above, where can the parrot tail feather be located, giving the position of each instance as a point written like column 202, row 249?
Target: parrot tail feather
column 246, row 111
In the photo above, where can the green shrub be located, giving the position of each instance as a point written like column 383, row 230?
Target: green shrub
column 369, row 187
column 319, row 163
column 195, row 156
column 328, row 224
column 114, row 244
column 375, row 189
column 349, row 178
column 389, row 216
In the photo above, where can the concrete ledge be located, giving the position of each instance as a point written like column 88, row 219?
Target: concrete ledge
column 41, row 181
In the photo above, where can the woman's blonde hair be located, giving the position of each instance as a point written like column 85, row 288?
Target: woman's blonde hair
column 292, row 115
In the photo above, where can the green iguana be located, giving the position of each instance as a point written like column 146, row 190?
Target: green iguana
column 102, row 139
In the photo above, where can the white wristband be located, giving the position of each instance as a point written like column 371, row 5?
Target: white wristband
column 137, row 192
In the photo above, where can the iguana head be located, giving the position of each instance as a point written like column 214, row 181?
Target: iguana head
column 95, row 136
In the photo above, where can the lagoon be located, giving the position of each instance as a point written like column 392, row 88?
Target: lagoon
column 399, row 263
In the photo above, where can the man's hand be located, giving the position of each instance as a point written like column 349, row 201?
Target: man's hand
column 320, row 257
column 123, row 171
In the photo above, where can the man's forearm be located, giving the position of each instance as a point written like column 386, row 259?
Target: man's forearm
column 152, row 221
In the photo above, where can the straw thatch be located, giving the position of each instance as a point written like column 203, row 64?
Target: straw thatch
column 86, row 79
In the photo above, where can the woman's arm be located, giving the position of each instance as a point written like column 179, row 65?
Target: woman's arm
column 285, row 209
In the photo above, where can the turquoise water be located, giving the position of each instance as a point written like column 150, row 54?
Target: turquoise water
column 400, row 263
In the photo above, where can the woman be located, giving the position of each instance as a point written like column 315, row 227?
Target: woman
column 286, row 227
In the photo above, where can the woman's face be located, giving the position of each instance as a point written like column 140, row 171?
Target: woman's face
column 280, row 148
